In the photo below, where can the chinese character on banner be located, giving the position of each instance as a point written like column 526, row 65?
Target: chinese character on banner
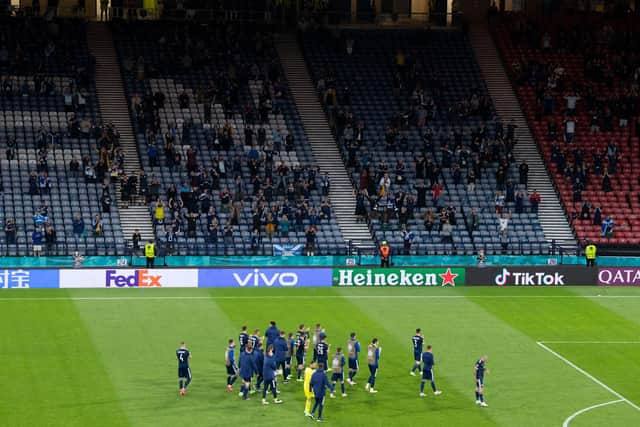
column 20, row 279
column 4, row 278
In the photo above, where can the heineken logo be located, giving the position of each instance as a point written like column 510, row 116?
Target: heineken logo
column 398, row 276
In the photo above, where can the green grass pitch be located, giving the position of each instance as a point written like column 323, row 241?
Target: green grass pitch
column 107, row 357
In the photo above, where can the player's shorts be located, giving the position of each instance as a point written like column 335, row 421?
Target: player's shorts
column 231, row 370
column 353, row 364
column 337, row 376
column 479, row 382
column 300, row 358
column 427, row 374
column 184, row 373
column 417, row 356
column 246, row 379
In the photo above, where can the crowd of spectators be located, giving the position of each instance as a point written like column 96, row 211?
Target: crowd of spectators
column 246, row 178
column 394, row 193
column 586, row 91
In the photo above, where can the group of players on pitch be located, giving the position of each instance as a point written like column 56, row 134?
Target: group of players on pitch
column 281, row 350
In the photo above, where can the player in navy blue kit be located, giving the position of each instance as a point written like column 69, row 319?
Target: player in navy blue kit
column 258, row 360
column 243, row 339
column 478, row 374
column 318, row 384
column 301, row 349
column 322, row 350
column 353, row 349
column 230, row 363
column 417, row 340
column 373, row 361
column 291, row 343
column 254, row 339
column 184, row 372
column 247, row 370
column 269, row 372
column 337, row 370
column 427, row 372
column 280, row 348
column 271, row 334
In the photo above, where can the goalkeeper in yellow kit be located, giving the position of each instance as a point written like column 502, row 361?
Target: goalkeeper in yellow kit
column 308, row 393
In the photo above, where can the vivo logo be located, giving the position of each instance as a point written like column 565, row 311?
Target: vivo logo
column 258, row 278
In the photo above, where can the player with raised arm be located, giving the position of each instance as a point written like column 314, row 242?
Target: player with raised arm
column 315, row 339
column 417, row 340
column 301, row 350
column 353, row 349
column 269, row 372
column 478, row 374
column 373, row 361
column 337, row 370
column 247, row 370
column 427, row 372
column 230, row 363
column 184, row 372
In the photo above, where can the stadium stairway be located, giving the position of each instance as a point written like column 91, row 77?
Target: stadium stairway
column 115, row 108
column 323, row 145
column 551, row 213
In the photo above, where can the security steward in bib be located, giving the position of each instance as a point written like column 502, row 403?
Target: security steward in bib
column 150, row 253
column 385, row 254
column 590, row 254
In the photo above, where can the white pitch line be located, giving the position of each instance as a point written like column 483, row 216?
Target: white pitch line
column 582, row 411
column 588, row 375
column 240, row 297
column 590, row 342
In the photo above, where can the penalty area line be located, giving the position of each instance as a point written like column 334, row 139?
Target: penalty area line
column 588, row 375
column 590, row 342
column 582, row 411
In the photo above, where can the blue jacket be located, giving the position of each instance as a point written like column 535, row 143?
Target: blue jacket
column 247, row 365
column 258, row 360
column 319, row 383
column 269, row 368
column 271, row 333
column 280, row 348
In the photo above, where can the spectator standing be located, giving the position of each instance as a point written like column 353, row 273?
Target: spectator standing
column 534, row 200
column 78, row 227
column 36, row 238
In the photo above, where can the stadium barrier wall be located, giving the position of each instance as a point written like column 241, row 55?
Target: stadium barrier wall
column 558, row 275
column 314, row 261
column 240, row 277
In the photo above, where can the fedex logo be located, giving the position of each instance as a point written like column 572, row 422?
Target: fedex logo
column 140, row 278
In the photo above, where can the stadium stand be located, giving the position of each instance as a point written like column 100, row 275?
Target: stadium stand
column 224, row 156
column 432, row 163
column 576, row 77
column 59, row 158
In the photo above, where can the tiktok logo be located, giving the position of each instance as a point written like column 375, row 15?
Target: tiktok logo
column 501, row 279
